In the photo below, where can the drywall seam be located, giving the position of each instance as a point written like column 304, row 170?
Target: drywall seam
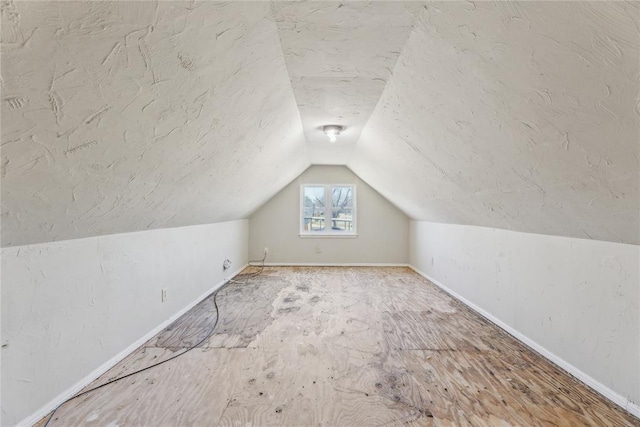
column 605, row 391
column 74, row 389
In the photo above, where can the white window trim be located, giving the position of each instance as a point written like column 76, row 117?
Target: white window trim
column 328, row 234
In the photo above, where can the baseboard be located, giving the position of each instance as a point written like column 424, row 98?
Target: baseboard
column 334, row 264
column 88, row 379
column 605, row 391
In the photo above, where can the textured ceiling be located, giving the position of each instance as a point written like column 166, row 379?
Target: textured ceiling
column 126, row 116
column 340, row 56
column 523, row 116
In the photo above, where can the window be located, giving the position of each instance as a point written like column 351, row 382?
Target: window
column 328, row 210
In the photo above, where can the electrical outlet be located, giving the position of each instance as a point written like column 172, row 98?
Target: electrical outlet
column 226, row 264
column 266, row 250
column 318, row 249
column 164, row 295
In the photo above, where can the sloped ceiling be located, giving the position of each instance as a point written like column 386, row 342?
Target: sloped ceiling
column 126, row 116
column 515, row 115
column 340, row 56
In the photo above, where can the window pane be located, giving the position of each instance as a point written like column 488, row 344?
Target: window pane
column 342, row 208
column 342, row 219
column 342, row 197
column 313, row 209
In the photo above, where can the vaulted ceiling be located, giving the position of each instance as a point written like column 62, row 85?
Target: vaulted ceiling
column 126, row 116
column 340, row 57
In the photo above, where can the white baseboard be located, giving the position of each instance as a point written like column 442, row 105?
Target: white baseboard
column 616, row 398
column 88, row 379
column 605, row 391
column 334, row 264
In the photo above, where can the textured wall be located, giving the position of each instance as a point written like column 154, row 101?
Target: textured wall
column 68, row 307
column 123, row 116
column 515, row 115
column 578, row 299
column 383, row 230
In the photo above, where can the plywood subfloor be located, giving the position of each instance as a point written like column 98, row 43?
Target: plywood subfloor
column 339, row 346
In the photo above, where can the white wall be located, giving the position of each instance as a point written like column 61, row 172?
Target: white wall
column 68, row 307
column 578, row 299
column 383, row 230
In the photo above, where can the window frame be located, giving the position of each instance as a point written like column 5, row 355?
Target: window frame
column 328, row 191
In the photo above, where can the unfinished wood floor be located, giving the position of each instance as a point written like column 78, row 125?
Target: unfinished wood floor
column 303, row 346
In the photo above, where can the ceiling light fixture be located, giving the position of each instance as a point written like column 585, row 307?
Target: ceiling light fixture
column 332, row 131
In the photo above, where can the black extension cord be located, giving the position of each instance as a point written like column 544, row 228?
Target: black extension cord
column 213, row 328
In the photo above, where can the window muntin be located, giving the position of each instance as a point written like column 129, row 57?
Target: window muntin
column 328, row 210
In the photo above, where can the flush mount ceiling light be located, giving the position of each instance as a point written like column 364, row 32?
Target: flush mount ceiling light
column 332, row 131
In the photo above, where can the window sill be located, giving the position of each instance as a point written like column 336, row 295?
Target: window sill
column 328, row 236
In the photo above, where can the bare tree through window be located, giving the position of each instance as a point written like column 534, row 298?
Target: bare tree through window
column 328, row 209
